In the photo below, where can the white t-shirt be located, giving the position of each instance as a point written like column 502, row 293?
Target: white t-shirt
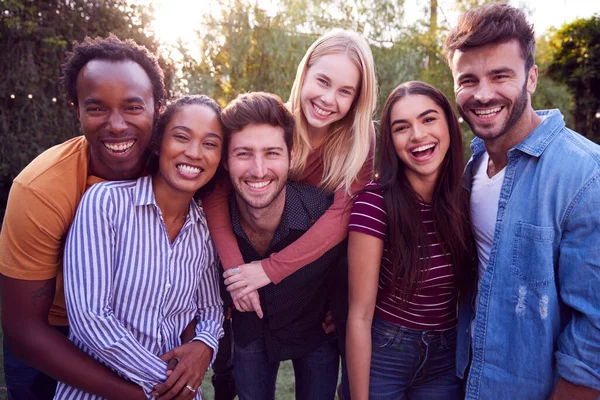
column 485, row 194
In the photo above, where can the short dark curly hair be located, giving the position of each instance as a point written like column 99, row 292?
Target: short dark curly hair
column 114, row 49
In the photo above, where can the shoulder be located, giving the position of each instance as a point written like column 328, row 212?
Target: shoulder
column 371, row 194
column 313, row 196
column 115, row 193
column 58, row 163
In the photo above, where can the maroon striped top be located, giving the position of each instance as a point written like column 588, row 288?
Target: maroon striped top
column 434, row 305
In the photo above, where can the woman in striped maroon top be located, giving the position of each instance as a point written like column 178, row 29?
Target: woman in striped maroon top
column 409, row 243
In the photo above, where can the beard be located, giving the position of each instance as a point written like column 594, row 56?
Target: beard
column 516, row 111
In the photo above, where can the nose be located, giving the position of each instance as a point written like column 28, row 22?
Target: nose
column 327, row 97
column 116, row 123
column 193, row 150
column 418, row 132
column 483, row 92
column 259, row 169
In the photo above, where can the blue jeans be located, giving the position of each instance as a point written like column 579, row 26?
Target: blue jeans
column 413, row 364
column 316, row 373
column 24, row 382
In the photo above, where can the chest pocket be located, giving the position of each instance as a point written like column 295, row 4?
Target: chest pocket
column 533, row 254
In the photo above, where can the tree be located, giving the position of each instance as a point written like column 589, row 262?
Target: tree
column 576, row 61
column 34, row 35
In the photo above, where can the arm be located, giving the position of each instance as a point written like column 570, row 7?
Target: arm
column 577, row 360
column 364, row 259
column 29, row 335
column 88, row 271
column 30, row 246
column 326, row 233
column 215, row 206
column 216, row 209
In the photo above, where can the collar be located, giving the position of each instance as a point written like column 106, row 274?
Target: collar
column 295, row 216
column 143, row 195
column 536, row 142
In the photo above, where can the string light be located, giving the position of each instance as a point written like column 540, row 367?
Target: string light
column 598, row 114
column 460, row 120
column 30, row 96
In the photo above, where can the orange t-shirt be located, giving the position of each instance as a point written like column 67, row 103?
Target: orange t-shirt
column 41, row 206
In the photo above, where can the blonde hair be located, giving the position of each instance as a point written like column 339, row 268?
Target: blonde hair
column 346, row 147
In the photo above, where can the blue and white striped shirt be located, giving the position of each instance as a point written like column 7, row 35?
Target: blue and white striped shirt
column 130, row 292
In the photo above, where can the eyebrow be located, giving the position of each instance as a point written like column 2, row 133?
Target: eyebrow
column 134, row 99
column 424, row 113
column 128, row 100
column 185, row 128
column 502, row 71
column 245, row 148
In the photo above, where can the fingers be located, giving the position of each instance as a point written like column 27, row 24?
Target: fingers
column 171, row 366
column 255, row 300
column 235, row 286
column 169, row 355
column 168, row 390
column 234, row 278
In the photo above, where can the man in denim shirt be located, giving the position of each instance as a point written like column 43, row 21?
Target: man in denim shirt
column 535, row 208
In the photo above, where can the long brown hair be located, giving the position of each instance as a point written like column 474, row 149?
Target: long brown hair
column 449, row 203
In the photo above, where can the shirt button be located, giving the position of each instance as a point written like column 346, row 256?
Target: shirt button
column 168, row 286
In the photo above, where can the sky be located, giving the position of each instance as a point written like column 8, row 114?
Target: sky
column 180, row 18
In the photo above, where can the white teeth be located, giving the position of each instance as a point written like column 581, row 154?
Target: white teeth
column 423, row 148
column 320, row 111
column 188, row 169
column 258, row 185
column 119, row 146
column 487, row 113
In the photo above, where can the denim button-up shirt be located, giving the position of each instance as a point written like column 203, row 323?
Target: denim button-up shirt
column 538, row 302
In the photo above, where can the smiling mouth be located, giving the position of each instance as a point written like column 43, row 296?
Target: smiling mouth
column 189, row 170
column 423, row 151
column 258, row 185
column 320, row 111
column 488, row 112
column 119, row 148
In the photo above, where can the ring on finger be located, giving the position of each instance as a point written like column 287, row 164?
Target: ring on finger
column 235, row 270
column 191, row 389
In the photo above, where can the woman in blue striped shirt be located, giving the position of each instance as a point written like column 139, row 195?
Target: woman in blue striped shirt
column 140, row 265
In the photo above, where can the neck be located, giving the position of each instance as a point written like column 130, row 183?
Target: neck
column 260, row 224
column 174, row 205
column 317, row 136
column 424, row 186
column 498, row 148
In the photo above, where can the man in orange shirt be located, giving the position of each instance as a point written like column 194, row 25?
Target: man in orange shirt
column 116, row 88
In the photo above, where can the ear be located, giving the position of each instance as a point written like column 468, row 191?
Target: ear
column 532, row 77
column 157, row 107
column 224, row 164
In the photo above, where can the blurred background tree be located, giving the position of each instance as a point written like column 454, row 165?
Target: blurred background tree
column 575, row 60
column 34, row 36
column 245, row 47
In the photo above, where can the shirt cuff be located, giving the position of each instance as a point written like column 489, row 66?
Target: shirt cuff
column 577, row 372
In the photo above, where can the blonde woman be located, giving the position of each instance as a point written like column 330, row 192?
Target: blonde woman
column 333, row 99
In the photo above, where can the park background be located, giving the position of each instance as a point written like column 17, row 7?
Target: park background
column 225, row 47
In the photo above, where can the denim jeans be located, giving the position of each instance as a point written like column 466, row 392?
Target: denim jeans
column 316, row 373
column 413, row 364
column 24, row 382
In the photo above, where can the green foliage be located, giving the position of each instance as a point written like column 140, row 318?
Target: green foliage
column 34, row 36
column 575, row 60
